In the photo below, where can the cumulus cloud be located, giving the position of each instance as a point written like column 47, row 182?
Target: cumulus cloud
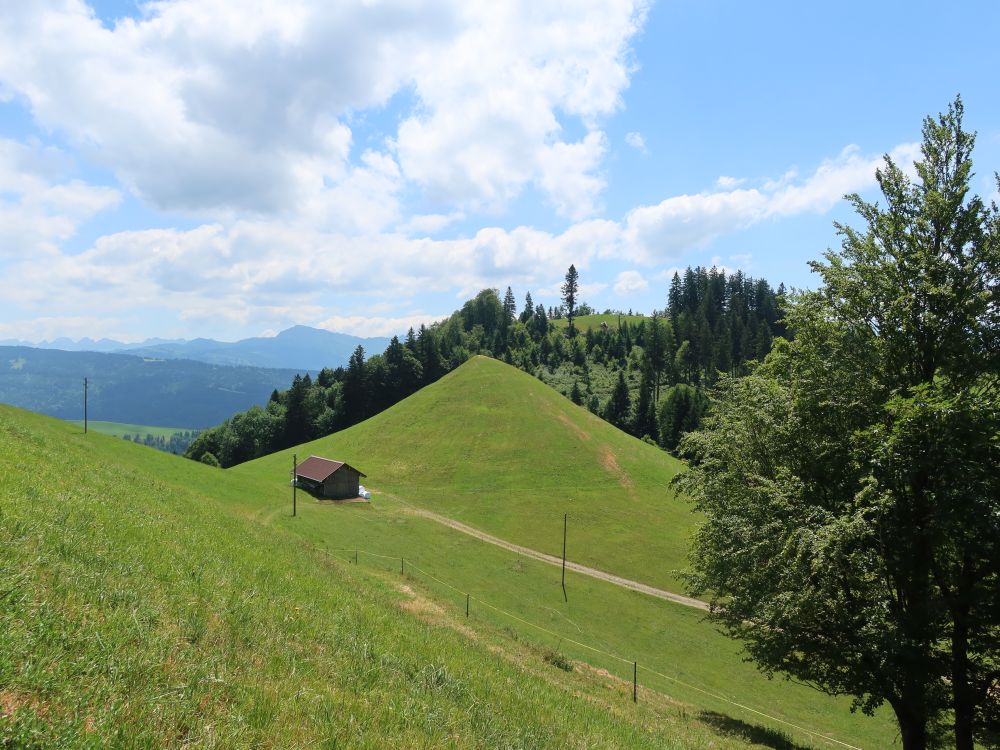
column 273, row 272
column 40, row 205
column 630, row 282
column 361, row 325
column 430, row 223
column 683, row 223
column 208, row 106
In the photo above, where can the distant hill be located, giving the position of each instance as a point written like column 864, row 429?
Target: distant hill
column 87, row 344
column 133, row 389
column 299, row 347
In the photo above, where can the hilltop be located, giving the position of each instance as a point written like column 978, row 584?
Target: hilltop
column 493, row 447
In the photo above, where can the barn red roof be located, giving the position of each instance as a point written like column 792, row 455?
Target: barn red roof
column 320, row 469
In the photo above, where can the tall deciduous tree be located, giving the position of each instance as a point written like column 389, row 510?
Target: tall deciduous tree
column 570, row 289
column 850, row 483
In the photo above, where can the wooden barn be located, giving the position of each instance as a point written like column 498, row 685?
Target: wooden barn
column 330, row 479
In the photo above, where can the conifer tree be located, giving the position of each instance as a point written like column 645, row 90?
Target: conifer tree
column 569, row 293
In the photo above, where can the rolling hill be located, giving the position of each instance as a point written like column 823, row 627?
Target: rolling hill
column 492, row 447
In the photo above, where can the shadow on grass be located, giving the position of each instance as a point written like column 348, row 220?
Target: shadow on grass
column 754, row 733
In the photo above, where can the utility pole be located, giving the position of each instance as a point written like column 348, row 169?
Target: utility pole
column 295, row 482
column 565, row 523
column 84, row 406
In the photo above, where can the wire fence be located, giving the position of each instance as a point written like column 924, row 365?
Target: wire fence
column 406, row 566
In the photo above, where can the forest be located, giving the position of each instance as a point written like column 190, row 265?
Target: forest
column 649, row 377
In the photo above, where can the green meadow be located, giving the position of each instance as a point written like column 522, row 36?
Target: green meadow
column 143, row 608
column 497, row 449
column 120, row 429
column 583, row 322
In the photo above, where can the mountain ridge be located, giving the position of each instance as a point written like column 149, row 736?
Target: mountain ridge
column 298, row 347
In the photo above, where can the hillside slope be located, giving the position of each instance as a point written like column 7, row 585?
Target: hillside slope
column 497, row 449
column 141, row 609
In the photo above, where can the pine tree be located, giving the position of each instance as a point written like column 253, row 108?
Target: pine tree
column 529, row 308
column 569, row 292
column 509, row 306
column 620, row 403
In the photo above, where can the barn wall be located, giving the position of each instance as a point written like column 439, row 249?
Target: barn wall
column 343, row 483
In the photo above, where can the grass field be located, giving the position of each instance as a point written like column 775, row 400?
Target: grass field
column 584, row 322
column 120, row 429
column 151, row 601
column 143, row 607
column 492, row 447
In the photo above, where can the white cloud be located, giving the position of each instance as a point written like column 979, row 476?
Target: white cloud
column 272, row 273
column 568, row 175
column 728, row 183
column 47, row 328
column 40, row 206
column 360, row 325
column 636, row 141
column 214, row 108
column 424, row 224
column 684, row 223
column 630, row 282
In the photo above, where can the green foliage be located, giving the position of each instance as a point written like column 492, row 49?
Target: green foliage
column 558, row 659
column 618, row 409
column 210, row 460
column 849, row 484
column 680, row 412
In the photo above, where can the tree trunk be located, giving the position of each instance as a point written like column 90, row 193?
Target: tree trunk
column 912, row 725
column 962, row 692
column 913, row 734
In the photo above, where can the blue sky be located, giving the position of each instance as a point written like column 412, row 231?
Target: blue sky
column 227, row 169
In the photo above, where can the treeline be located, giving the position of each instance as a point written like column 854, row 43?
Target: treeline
column 647, row 377
column 178, row 442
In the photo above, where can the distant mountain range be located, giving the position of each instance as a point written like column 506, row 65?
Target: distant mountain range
column 299, row 348
column 133, row 389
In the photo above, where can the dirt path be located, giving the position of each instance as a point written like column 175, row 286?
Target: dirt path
column 552, row 559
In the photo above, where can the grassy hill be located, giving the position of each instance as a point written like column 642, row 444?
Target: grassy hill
column 152, row 601
column 491, row 446
column 146, row 604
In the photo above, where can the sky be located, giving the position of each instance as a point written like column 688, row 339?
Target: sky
column 228, row 169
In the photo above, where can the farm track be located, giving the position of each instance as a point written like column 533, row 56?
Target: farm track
column 601, row 575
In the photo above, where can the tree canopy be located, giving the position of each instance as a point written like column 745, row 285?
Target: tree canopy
column 850, row 483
